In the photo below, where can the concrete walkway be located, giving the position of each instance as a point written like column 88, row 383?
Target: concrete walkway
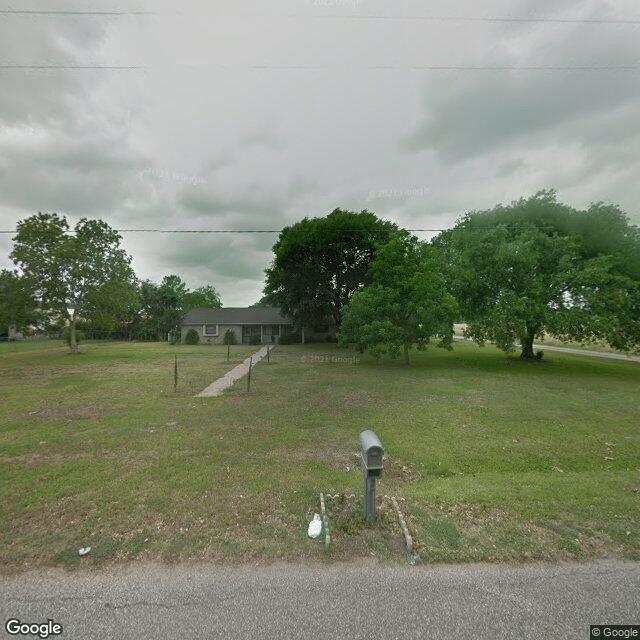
column 217, row 387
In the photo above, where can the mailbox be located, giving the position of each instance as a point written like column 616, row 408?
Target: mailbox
column 371, row 452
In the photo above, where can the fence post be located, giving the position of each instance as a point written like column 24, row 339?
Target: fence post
column 249, row 376
column 175, row 373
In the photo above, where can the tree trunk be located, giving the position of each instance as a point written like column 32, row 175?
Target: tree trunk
column 73, row 338
column 527, row 342
column 406, row 354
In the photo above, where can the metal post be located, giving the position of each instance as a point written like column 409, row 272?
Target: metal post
column 369, row 498
column 249, row 376
column 175, row 373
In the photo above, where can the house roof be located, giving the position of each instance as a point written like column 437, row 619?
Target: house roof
column 235, row 315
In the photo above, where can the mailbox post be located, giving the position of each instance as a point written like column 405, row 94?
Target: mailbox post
column 371, row 452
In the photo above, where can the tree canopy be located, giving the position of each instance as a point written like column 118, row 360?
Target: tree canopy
column 406, row 304
column 205, row 296
column 320, row 262
column 85, row 271
column 538, row 266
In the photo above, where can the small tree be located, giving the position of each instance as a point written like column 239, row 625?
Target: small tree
column 17, row 304
column 406, row 305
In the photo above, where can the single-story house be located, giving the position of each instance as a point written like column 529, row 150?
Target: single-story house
column 251, row 325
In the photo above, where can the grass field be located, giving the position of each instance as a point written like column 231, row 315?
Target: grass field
column 491, row 459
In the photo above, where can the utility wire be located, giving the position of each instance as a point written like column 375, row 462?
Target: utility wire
column 265, row 67
column 338, row 16
column 280, row 230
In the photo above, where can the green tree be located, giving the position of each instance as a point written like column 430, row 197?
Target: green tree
column 17, row 304
column 205, row 296
column 407, row 303
column 74, row 274
column 320, row 262
column 538, row 266
column 264, row 301
column 160, row 307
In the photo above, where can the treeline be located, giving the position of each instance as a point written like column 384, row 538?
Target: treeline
column 512, row 274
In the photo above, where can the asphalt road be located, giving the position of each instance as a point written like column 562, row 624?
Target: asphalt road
column 357, row 600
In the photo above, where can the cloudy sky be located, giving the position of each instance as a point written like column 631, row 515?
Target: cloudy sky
column 249, row 115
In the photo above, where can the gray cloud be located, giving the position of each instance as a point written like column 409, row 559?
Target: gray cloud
column 474, row 115
column 215, row 134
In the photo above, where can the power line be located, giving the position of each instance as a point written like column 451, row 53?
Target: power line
column 75, row 13
column 479, row 228
column 70, row 66
column 266, row 67
column 338, row 16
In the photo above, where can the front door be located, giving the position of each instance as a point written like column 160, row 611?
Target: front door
column 250, row 334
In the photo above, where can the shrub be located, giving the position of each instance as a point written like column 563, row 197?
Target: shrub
column 174, row 335
column 230, row 337
column 192, row 337
column 290, row 338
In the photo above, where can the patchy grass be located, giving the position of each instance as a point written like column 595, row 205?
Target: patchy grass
column 492, row 459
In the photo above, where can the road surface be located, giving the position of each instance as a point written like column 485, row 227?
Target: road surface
column 362, row 600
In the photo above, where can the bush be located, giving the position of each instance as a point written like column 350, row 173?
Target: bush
column 174, row 335
column 192, row 337
column 230, row 337
column 290, row 338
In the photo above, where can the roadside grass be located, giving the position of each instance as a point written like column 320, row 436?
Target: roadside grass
column 491, row 459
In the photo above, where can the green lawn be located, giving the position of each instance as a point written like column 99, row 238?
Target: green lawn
column 491, row 459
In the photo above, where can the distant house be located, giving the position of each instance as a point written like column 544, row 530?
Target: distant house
column 250, row 325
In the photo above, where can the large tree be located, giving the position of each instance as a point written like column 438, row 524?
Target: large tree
column 81, row 274
column 406, row 305
column 538, row 266
column 320, row 262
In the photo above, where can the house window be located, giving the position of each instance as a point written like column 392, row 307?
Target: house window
column 210, row 329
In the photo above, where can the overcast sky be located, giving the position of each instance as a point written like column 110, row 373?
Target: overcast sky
column 252, row 115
